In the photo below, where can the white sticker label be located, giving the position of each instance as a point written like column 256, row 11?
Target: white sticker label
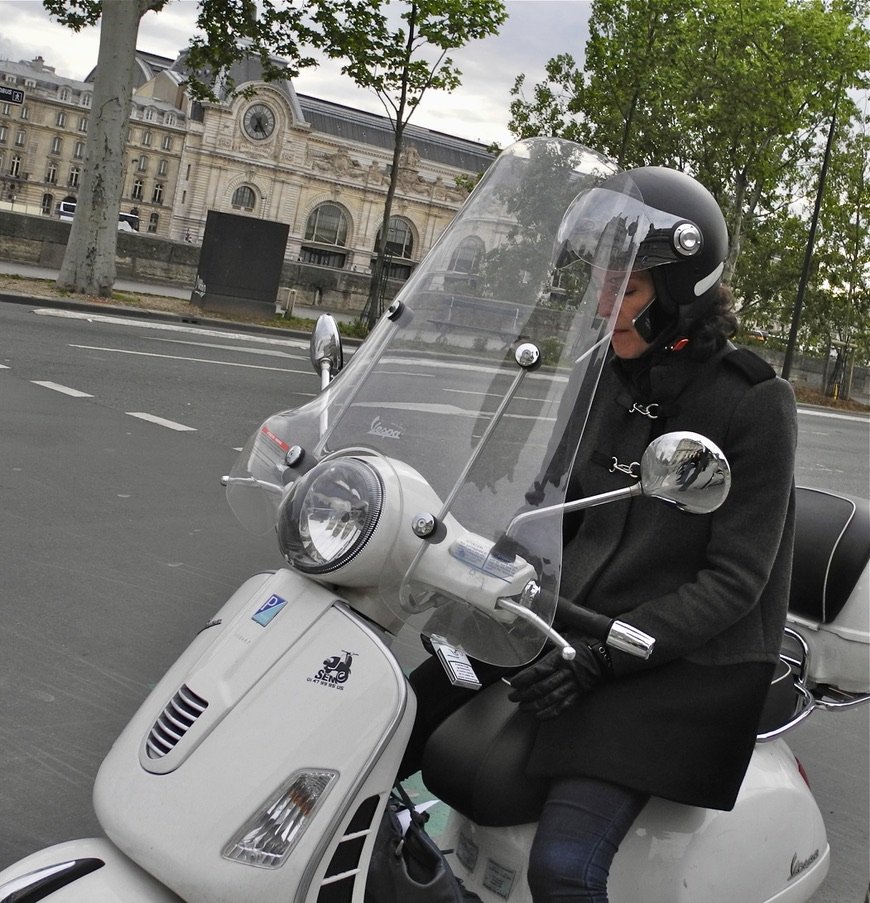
column 455, row 662
column 476, row 553
column 498, row 878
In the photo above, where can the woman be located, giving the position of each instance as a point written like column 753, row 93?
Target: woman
column 713, row 590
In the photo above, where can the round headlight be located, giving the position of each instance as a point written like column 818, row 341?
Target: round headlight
column 329, row 515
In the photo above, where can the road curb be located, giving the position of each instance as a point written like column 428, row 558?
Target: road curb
column 146, row 313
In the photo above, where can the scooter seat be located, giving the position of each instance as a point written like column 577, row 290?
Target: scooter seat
column 831, row 550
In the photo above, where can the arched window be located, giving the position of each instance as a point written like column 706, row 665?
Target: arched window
column 327, row 225
column 468, row 256
column 244, row 197
column 400, row 238
column 400, row 243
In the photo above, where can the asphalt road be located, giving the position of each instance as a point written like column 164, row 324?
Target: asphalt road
column 116, row 545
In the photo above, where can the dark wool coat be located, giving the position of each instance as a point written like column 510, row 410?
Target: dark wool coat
column 712, row 589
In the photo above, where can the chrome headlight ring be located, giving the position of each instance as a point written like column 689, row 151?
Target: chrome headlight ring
column 329, row 515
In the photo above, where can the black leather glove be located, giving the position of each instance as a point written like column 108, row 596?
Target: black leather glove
column 551, row 684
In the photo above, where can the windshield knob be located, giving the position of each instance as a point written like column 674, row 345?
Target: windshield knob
column 527, row 355
column 424, row 524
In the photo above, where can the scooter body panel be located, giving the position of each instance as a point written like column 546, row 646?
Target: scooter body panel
column 90, row 870
column 771, row 846
column 273, row 709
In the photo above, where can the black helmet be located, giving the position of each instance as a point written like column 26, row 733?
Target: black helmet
column 687, row 232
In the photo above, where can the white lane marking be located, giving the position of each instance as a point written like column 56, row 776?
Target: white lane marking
column 293, row 354
column 193, row 360
column 160, row 421
column 132, row 322
column 57, row 387
column 813, row 413
column 3, row 367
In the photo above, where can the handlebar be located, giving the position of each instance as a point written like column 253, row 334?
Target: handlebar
column 615, row 633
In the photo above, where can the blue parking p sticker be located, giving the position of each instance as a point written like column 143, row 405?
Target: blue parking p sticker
column 268, row 610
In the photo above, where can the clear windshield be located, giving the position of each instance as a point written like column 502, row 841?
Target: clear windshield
column 438, row 386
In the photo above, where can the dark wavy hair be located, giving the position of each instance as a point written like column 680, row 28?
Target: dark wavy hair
column 710, row 332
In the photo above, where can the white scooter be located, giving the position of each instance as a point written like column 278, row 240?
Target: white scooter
column 259, row 767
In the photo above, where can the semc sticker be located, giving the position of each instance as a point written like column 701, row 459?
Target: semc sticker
column 264, row 614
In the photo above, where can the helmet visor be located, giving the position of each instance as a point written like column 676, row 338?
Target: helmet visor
column 615, row 230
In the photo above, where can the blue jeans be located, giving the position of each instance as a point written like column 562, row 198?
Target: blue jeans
column 579, row 832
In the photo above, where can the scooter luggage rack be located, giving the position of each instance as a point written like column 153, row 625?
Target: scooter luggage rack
column 809, row 699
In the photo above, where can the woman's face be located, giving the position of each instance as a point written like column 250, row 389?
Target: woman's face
column 639, row 292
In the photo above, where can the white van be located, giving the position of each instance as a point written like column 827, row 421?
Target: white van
column 127, row 222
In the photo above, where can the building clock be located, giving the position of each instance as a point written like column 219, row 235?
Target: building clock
column 258, row 121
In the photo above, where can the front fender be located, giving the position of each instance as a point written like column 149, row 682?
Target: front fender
column 81, row 871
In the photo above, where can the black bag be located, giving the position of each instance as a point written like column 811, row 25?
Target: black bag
column 410, row 868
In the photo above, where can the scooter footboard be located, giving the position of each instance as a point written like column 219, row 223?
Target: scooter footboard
column 81, row 871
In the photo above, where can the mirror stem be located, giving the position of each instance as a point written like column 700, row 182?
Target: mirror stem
column 579, row 505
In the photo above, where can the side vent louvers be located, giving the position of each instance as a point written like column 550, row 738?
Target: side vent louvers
column 174, row 722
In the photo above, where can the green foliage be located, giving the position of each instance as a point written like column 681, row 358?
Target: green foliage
column 839, row 308
column 279, row 34
column 536, row 207
column 553, row 110
column 400, row 62
column 741, row 96
column 78, row 14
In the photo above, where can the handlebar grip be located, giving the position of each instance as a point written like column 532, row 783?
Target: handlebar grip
column 614, row 633
column 589, row 622
column 629, row 639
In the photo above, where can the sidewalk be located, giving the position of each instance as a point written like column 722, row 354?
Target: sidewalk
column 29, row 271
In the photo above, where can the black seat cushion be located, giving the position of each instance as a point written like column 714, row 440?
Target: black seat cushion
column 832, row 547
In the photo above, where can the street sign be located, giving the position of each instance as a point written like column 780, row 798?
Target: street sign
column 11, row 95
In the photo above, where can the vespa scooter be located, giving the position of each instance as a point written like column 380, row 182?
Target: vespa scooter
column 260, row 765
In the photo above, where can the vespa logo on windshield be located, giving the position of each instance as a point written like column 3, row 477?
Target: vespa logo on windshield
column 385, row 430
column 335, row 671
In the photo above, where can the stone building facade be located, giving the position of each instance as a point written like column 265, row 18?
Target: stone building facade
column 42, row 144
column 319, row 167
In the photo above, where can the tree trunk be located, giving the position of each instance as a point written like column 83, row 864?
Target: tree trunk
column 89, row 262
column 372, row 309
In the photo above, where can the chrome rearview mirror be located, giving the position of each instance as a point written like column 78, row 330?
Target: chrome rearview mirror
column 685, row 470
column 327, row 356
